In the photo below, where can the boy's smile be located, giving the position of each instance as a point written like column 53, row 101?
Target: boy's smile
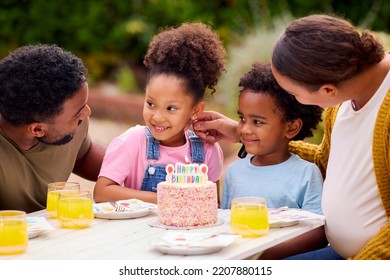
column 261, row 128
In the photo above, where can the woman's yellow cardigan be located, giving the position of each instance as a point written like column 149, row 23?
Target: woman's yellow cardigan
column 378, row 247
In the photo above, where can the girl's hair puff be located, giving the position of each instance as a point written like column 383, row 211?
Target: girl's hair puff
column 192, row 52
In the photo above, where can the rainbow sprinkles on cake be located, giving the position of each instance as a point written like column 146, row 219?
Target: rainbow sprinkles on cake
column 186, row 198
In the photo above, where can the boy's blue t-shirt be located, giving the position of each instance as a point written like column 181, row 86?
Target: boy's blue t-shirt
column 295, row 183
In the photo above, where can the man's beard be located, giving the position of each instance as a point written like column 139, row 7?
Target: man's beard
column 64, row 140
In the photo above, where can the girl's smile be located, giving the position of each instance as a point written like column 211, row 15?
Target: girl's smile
column 168, row 109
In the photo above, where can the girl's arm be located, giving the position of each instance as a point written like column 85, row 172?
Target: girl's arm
column 108, row 190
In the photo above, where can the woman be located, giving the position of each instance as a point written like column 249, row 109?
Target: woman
column 323, row 60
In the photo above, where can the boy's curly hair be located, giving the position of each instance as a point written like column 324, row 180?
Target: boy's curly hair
column 260, row 80
column 192, row 52
column 36, row 80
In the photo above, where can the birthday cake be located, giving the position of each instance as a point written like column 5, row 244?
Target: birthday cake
column 187, row 198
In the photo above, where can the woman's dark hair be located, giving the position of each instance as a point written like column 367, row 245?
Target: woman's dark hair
column 320, row 49
column 193, row 52
column 261, row 81
column 35, row 81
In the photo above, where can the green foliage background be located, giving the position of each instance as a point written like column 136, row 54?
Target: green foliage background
column 111, row 34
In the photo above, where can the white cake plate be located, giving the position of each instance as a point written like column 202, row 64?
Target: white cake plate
column 155, row 223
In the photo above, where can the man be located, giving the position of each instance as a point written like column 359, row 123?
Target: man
column 43, row 125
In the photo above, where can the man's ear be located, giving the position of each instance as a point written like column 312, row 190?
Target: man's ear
column 293, row 128
column 37, row 129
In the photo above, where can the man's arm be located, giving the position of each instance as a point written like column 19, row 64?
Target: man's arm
column 89, row 165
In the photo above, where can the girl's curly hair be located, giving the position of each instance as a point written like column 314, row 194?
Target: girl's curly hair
column 260, row 80
column 192, row 52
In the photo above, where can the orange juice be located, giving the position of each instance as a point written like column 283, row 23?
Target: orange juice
column 75, row 211
column 13, row 232
column 249, row 220
column 52, row 196
column 51, row 204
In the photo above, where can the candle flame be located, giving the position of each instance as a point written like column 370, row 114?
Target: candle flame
column 186, row 159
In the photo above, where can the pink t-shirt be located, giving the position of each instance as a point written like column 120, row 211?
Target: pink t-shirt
column 125, row 159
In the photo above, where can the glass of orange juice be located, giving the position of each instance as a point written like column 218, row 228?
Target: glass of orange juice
column 75, row 209
column 52, row 195
column 13, row 232
column 249, row 216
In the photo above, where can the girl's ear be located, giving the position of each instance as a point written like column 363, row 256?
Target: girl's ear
column 198, row 109
column 37, row 129
column 293, row 128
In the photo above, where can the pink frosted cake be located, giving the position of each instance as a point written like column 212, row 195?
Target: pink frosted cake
column 187, row 198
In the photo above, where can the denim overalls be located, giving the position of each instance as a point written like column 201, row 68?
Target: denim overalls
column 155, row 173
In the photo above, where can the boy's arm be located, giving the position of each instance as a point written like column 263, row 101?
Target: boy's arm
column 309, row 241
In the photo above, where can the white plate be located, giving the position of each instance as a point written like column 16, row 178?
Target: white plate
column 37, row 226
column 135, row 209
column 188, row 250
column 35, row 233
column 285, row 217
column 186, row 243
column 112, row 215
column 282, row 223
column 156, row 223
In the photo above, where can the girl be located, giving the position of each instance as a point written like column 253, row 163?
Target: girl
column 182, row 63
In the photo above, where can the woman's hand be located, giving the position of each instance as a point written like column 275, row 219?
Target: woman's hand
column 212, row 127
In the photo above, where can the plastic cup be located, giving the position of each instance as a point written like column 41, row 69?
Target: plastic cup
column 13, row 232
column 249, row 216
column 52, row 195
column 75, row 209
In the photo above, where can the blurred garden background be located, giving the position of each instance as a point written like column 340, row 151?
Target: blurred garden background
column 111, row 36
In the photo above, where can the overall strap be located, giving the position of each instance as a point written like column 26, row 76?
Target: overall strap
column 152, row 145
column 197, row 147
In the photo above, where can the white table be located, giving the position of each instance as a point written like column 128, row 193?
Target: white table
column 131, row 238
